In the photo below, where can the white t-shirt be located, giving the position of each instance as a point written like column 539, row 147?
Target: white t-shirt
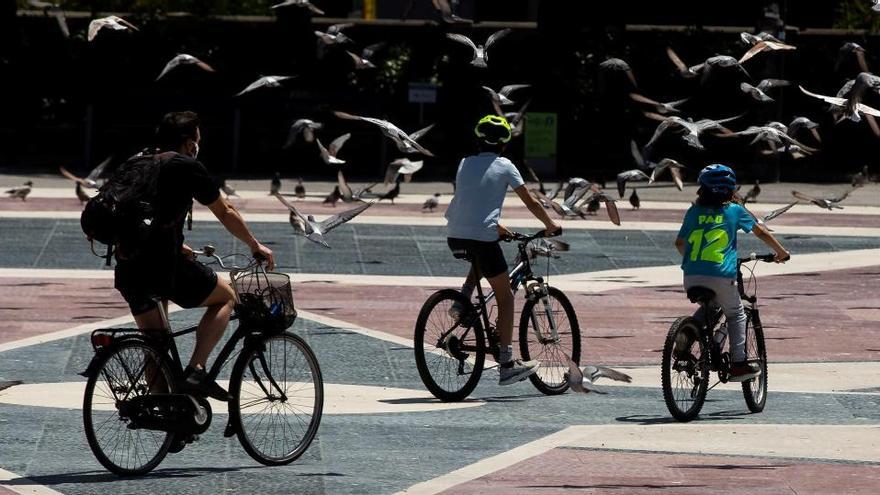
column 480, row 186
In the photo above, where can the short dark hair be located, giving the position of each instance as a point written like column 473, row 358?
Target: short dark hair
column 705, row 197
column 175, row 128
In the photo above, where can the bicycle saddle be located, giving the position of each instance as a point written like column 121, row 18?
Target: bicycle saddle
column 461, row 254
column 699, row 294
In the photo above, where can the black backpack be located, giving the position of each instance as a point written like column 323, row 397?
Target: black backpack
column 123, row 211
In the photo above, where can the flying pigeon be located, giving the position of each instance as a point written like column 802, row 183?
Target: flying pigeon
column 264, row 82
column 306, row 127
column 404, row 167
column 329, row 154
column 481, row 52
column 110, row 22
column 406, row 143
column 313, row 230
column 89, row 181
column 183, row 59
column 582, row 380
column 827, row 203
column 299, row 3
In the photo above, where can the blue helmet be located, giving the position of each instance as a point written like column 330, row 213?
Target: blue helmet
column 718, row 178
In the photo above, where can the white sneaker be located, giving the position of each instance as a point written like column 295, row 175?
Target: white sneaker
column 518, row 372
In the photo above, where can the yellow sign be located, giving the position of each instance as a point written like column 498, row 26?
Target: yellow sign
column 370, row 9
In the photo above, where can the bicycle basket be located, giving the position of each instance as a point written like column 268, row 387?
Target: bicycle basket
column 265, row 299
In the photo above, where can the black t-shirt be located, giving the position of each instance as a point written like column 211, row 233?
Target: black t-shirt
column 181, row 179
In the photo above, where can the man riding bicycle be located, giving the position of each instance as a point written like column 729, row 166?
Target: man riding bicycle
column 480, row 187
column 162, row 267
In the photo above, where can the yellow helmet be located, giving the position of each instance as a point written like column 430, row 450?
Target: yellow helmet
column 493, row 129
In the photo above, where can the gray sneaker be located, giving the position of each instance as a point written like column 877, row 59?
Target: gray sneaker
column 518, row 371
column 456, row 310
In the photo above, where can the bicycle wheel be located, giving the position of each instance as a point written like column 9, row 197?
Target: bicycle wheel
column 685, row 369
column 132, row 369
column 755, row 390
column 449, row 355
column 278, row 399
column 536, row 340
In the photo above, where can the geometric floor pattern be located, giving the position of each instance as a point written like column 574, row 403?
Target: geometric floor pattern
column 383, row 433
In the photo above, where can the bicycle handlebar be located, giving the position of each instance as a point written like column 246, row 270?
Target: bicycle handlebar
column 767, row 258
column 516, row 236
column 209, row 251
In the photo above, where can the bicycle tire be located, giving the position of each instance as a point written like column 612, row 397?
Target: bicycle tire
column 97, row 431
column 306, row 385
column 435, row 312
column 550, row 379
column 755, row 390
column 697, row 370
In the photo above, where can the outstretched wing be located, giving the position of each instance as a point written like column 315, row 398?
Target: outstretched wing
column 497, row 35
column 342, row 217
column 421, row 132
column 827, row 99
column 611, row 207
column 344, row 190
column 337, row 143
column 97, row 171
column 69, row 175
column 460, row 38
column 779, row 211
column 290, row 207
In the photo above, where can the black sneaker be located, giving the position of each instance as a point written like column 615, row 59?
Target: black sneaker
column 180, row 440
column 197, row 381
column 743, row 371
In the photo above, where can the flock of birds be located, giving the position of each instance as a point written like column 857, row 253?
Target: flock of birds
column 574, row 198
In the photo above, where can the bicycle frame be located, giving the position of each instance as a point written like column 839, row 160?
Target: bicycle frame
column 520, row 276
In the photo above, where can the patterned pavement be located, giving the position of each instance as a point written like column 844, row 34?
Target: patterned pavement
column 818, row 434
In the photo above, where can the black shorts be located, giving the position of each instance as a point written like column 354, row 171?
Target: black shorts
column 183, row 281
column 488, row 255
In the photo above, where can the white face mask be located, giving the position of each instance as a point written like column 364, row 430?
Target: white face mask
column 195, row 152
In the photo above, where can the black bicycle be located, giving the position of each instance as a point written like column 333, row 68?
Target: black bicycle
column 692, row 351
column 451, row 344
column 135, row 410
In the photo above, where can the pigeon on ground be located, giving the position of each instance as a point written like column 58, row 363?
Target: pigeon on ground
column 634, row 199
column 762, row 42
column 404, row 167
column 329, row 154
column 21, row 192
column 827, row 203
column 183, row 59
column 391, row 193
column 590, row 205
column 299, row 190
column 751, row 195
column 275, row 186
column 334, row 196
column 307, row 226
column 110, row 22
column 431, row 203
column 89, row 181
column 406, row 143
column 228, row 190
column 264, row 82
column 481, row 52
column 51, row 9
column 299, row 3
column 582, row 380
column 304, row 127
column 634, row 175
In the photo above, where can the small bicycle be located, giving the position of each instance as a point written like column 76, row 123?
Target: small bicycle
column 691, row 351
column 134, row 409
column 450, row 350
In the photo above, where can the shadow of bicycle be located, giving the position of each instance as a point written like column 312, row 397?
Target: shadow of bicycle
column 97, row 476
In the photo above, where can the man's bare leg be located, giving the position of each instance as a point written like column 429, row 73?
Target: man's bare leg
column 213, row 323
